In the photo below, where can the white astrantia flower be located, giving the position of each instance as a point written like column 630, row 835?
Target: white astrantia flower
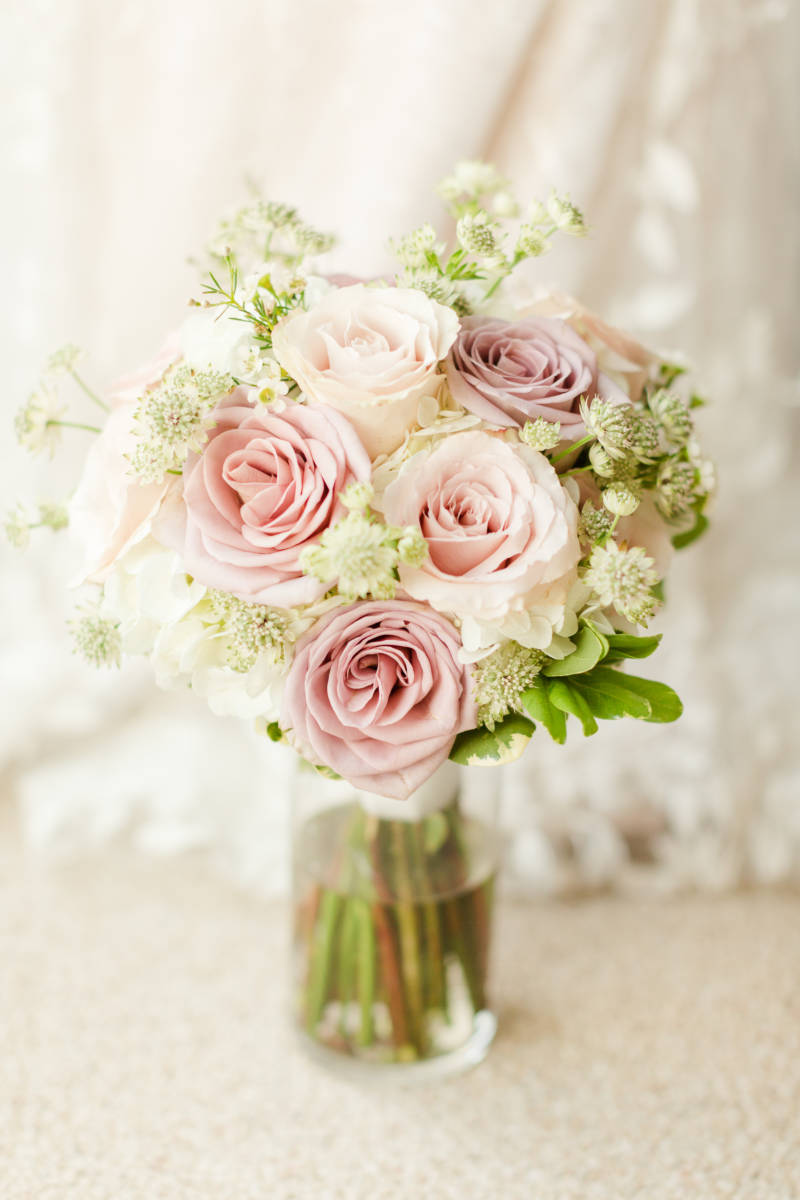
column 172, row 419
column 501, row 677
column 566, row 216
column 38, row 423
column 541, row 434
column 470, row 180
column 477, row 234
column 623, row 579
column 97, row 638
column 64, row 360
column 622, row 497
column 17, row 526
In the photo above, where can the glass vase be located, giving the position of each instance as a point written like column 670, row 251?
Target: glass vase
column 393, row 909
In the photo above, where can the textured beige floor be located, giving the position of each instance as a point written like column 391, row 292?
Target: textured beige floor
column 649, row 1052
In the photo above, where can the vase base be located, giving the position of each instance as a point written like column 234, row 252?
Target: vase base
column 428, row 1070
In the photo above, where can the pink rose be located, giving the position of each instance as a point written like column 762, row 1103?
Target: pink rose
column 618, row 351
column 511, row 372
column 500, row 528
column 377, row 693
column 111, row 508
column 371, row 353
column 265, row 486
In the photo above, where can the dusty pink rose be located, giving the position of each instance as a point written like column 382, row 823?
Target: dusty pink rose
column 376, row 692
column 265, row 486
column 371, row 353
column 111, row 509
column 500, row 528
column 510, row 372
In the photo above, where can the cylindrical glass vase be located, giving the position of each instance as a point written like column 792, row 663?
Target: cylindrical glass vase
column 392, row 921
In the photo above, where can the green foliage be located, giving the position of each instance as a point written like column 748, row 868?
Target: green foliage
column 590, row 648
column 274, row 732
column 681, row 540
column 570, row 699
column 627, row 645
column 482, row 747
column 539, row 706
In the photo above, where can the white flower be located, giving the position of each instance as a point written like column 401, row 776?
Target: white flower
column 623, row 579
column 38, row 423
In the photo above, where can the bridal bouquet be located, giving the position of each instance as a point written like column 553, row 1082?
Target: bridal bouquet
column 395, row 520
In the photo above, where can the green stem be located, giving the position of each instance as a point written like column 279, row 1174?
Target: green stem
column 74, row 425
column 409, row 937
column 322, row 956
column 88, row 391
column 365, row 972
column 589, row 437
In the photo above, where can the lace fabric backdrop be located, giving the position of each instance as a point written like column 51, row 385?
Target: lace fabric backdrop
column 128, row 129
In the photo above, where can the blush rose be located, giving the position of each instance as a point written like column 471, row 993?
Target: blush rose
column 266, row 485
column 501, row 530
column 371, row 353
column 377, row 693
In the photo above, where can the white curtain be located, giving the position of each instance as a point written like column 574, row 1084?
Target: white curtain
column 128, row 128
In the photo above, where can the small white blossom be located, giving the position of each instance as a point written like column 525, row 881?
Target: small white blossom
column 470, row 180
column 672, row 414
column 623, row 578
column 360, row 554
column 172, row 419
column 594, row 524
column 53, row 515
column 98, row 639
column 38, row 423
column 541, row 434
column 412, row 548
column 17, row 526
column 414, row 249
column 622, row 497
column 357, row 495
column 566, row 216
column 501, row 678
column 477, row 234
column 64, row 360
column 505, row 205
column 532, row 242
column 644, row 438
column 675, row 487
column 611, row 424
column 250, row 630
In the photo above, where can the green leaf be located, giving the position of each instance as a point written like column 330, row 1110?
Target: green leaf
column 697, row 401
column 274, row 732
column 565, row 696
column 608, row 696
column 590, row 646
column 691, row 535
column 626, row 645
column 657, row 590
column 487, row 748
column 665, row 704
column 538, row 705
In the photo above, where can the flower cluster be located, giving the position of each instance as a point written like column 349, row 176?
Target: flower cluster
column 396, row 520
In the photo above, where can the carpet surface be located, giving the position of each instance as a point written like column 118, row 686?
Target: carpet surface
column 645, row 1051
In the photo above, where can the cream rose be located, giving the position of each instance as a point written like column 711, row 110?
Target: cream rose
column 501, row 530
column 371, row 353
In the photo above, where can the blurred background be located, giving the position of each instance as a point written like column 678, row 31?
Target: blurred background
column 128, row 129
